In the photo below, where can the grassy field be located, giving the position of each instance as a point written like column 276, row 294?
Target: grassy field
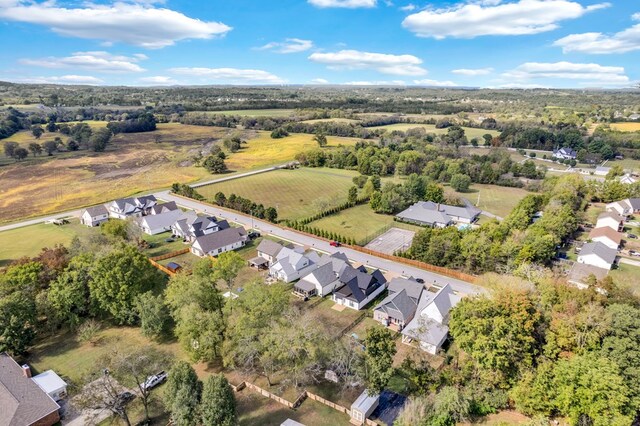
column 295, row 193
column 264, row 151
column 430, row 128
column 626, row 127
column 133, row 163
column 360, row 223
column 627, row 276
column 332, row 120
column 255, row 112
column 498, row 200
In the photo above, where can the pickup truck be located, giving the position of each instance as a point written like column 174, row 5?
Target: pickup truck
column 155, row 380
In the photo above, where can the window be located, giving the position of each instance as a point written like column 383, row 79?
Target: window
column 357, row 415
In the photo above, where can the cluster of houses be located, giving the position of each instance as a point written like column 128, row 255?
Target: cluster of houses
column 599, row 255
column 437, row 215
column 27, row 400
column 410, row 308
column 207, row 235
column 627, row 178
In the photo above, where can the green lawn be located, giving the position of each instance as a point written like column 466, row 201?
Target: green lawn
column 30, row 240
column 498, row 200
column 431, row 128
column 295, row 193
column 627, row 276
column 360, row 223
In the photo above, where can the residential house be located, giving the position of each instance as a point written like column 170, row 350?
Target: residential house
column 124, row 208
column 611, row 220
column 597, row 254
column 606, row 236
column 362, row 407
column 193, row 226
column 565, row 153
column 628, row 179
column 94, row 216
column 159, row 223
column 602, row 171
column 626, row 207
column 163, row 208
column 428, row 213
column 399, row 307
column 634, row 117
column 359, row 287
column 325, row 278
column 52, row 384
column 219, row 242
column 430, row 325
column 293, row 263
column 22, row 401
column 269, row 250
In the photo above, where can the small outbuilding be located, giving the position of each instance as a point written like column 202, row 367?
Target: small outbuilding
column 52, row 384
column 362, row 408
column 173, row 267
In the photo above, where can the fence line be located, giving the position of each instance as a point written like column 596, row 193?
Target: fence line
column 268, row 394
column 353, row 324
column 172, row 254
column 162, row 268
column 328, row 403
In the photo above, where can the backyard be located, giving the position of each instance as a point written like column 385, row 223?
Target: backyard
column 295, row 193
column 499, row 200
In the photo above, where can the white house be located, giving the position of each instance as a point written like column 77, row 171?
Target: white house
column 269, row 250
column 292, row 263
column 132, row 207
column 428, row 213
column 611, row 220
column 159, row 223
column 192, row 226
column 628, row 179
column 602, row 171
column 606, row 236
column 565, row 153
column 429, row 327
column 363, row 407
column 626, row 207
column 400, row 305
column 94, row 216
column 52, row 384
column 163, row 208
column 597, row 254
column 358, row 287
column 324, row 279
column 219, row 242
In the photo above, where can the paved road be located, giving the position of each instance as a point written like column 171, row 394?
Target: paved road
column 318, row 244
column 628, row 261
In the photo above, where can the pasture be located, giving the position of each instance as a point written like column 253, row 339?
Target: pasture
column 498, row 200
column 431, row 128
column 263, row 151
column 255, row 112
column 332, row 120
column 295, row 193
column 626, row 127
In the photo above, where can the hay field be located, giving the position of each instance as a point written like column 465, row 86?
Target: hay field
column 295, row 193
column 255, row 112
column 626, row 127
column 332, row 120
column 133, row 163
column 264, row 151
column 430, row 128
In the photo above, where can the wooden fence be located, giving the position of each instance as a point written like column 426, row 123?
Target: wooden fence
column 328, row 403
column 163, row 268
column 268, row 394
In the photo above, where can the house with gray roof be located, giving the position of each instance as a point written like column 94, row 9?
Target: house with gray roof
column 626, row 207
column 565, row 153
column 269, row 250
column 597, row 254
column 94, row 216
column 159, row 223
column 399, row 307
column 429, row 328
column 163, row 208
column 293, row 263
column 325, row 278
column 358, row 287
column 219, row 242
column 428, row 213
column 192, row 226
column 124, row 208
column 22, row 401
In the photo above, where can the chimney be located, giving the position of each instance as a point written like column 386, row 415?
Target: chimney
column 439, row 207
column 26, row 371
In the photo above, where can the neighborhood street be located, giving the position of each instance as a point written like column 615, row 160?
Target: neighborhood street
column 319, row 244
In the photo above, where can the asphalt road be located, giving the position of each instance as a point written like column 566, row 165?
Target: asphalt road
column 318, row 244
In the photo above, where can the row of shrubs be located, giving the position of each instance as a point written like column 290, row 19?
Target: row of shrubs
column 328, row 212
column 245, row 205
column 322, row 233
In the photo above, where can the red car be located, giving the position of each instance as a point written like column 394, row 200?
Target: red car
column 335, row 244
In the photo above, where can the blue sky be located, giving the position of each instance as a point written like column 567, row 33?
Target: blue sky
column 480, row 43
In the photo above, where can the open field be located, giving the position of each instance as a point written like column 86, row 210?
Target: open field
column 430, row 128
column 264, row 151
column 255, row 112
column 132, row 163
column 626, row 127
column 332, row 120
column 359, row 222
column 498, row 200
column 295, row 193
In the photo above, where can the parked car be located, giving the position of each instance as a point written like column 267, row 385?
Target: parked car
column 420, row 280
column 634, row 253
column 335, row 244
column 125, row 397
column 632, row 236
column 155, row 380
column 253, row 235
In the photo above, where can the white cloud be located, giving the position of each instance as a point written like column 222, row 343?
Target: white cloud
column 473, row 72
column 384, row 63
column 582, row 74
column 290, row 45
column 468, row 20
column 408, row 8
column 96, row 61
column 230, row 75
column 158, row 80
column 376, row 83
column 64, row 79
column 348, row 4
column 319, row 81
column 435, row 83
column 598, row 43
column 137, row 24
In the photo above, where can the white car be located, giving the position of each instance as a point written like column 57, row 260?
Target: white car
column 155, row 380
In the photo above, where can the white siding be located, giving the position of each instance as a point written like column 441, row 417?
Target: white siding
column 606, row 241
column 593, row 260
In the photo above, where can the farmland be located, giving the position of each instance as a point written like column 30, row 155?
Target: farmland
column 255, row 112
column 431, row 128
column 295, row 193
column 626, row 127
